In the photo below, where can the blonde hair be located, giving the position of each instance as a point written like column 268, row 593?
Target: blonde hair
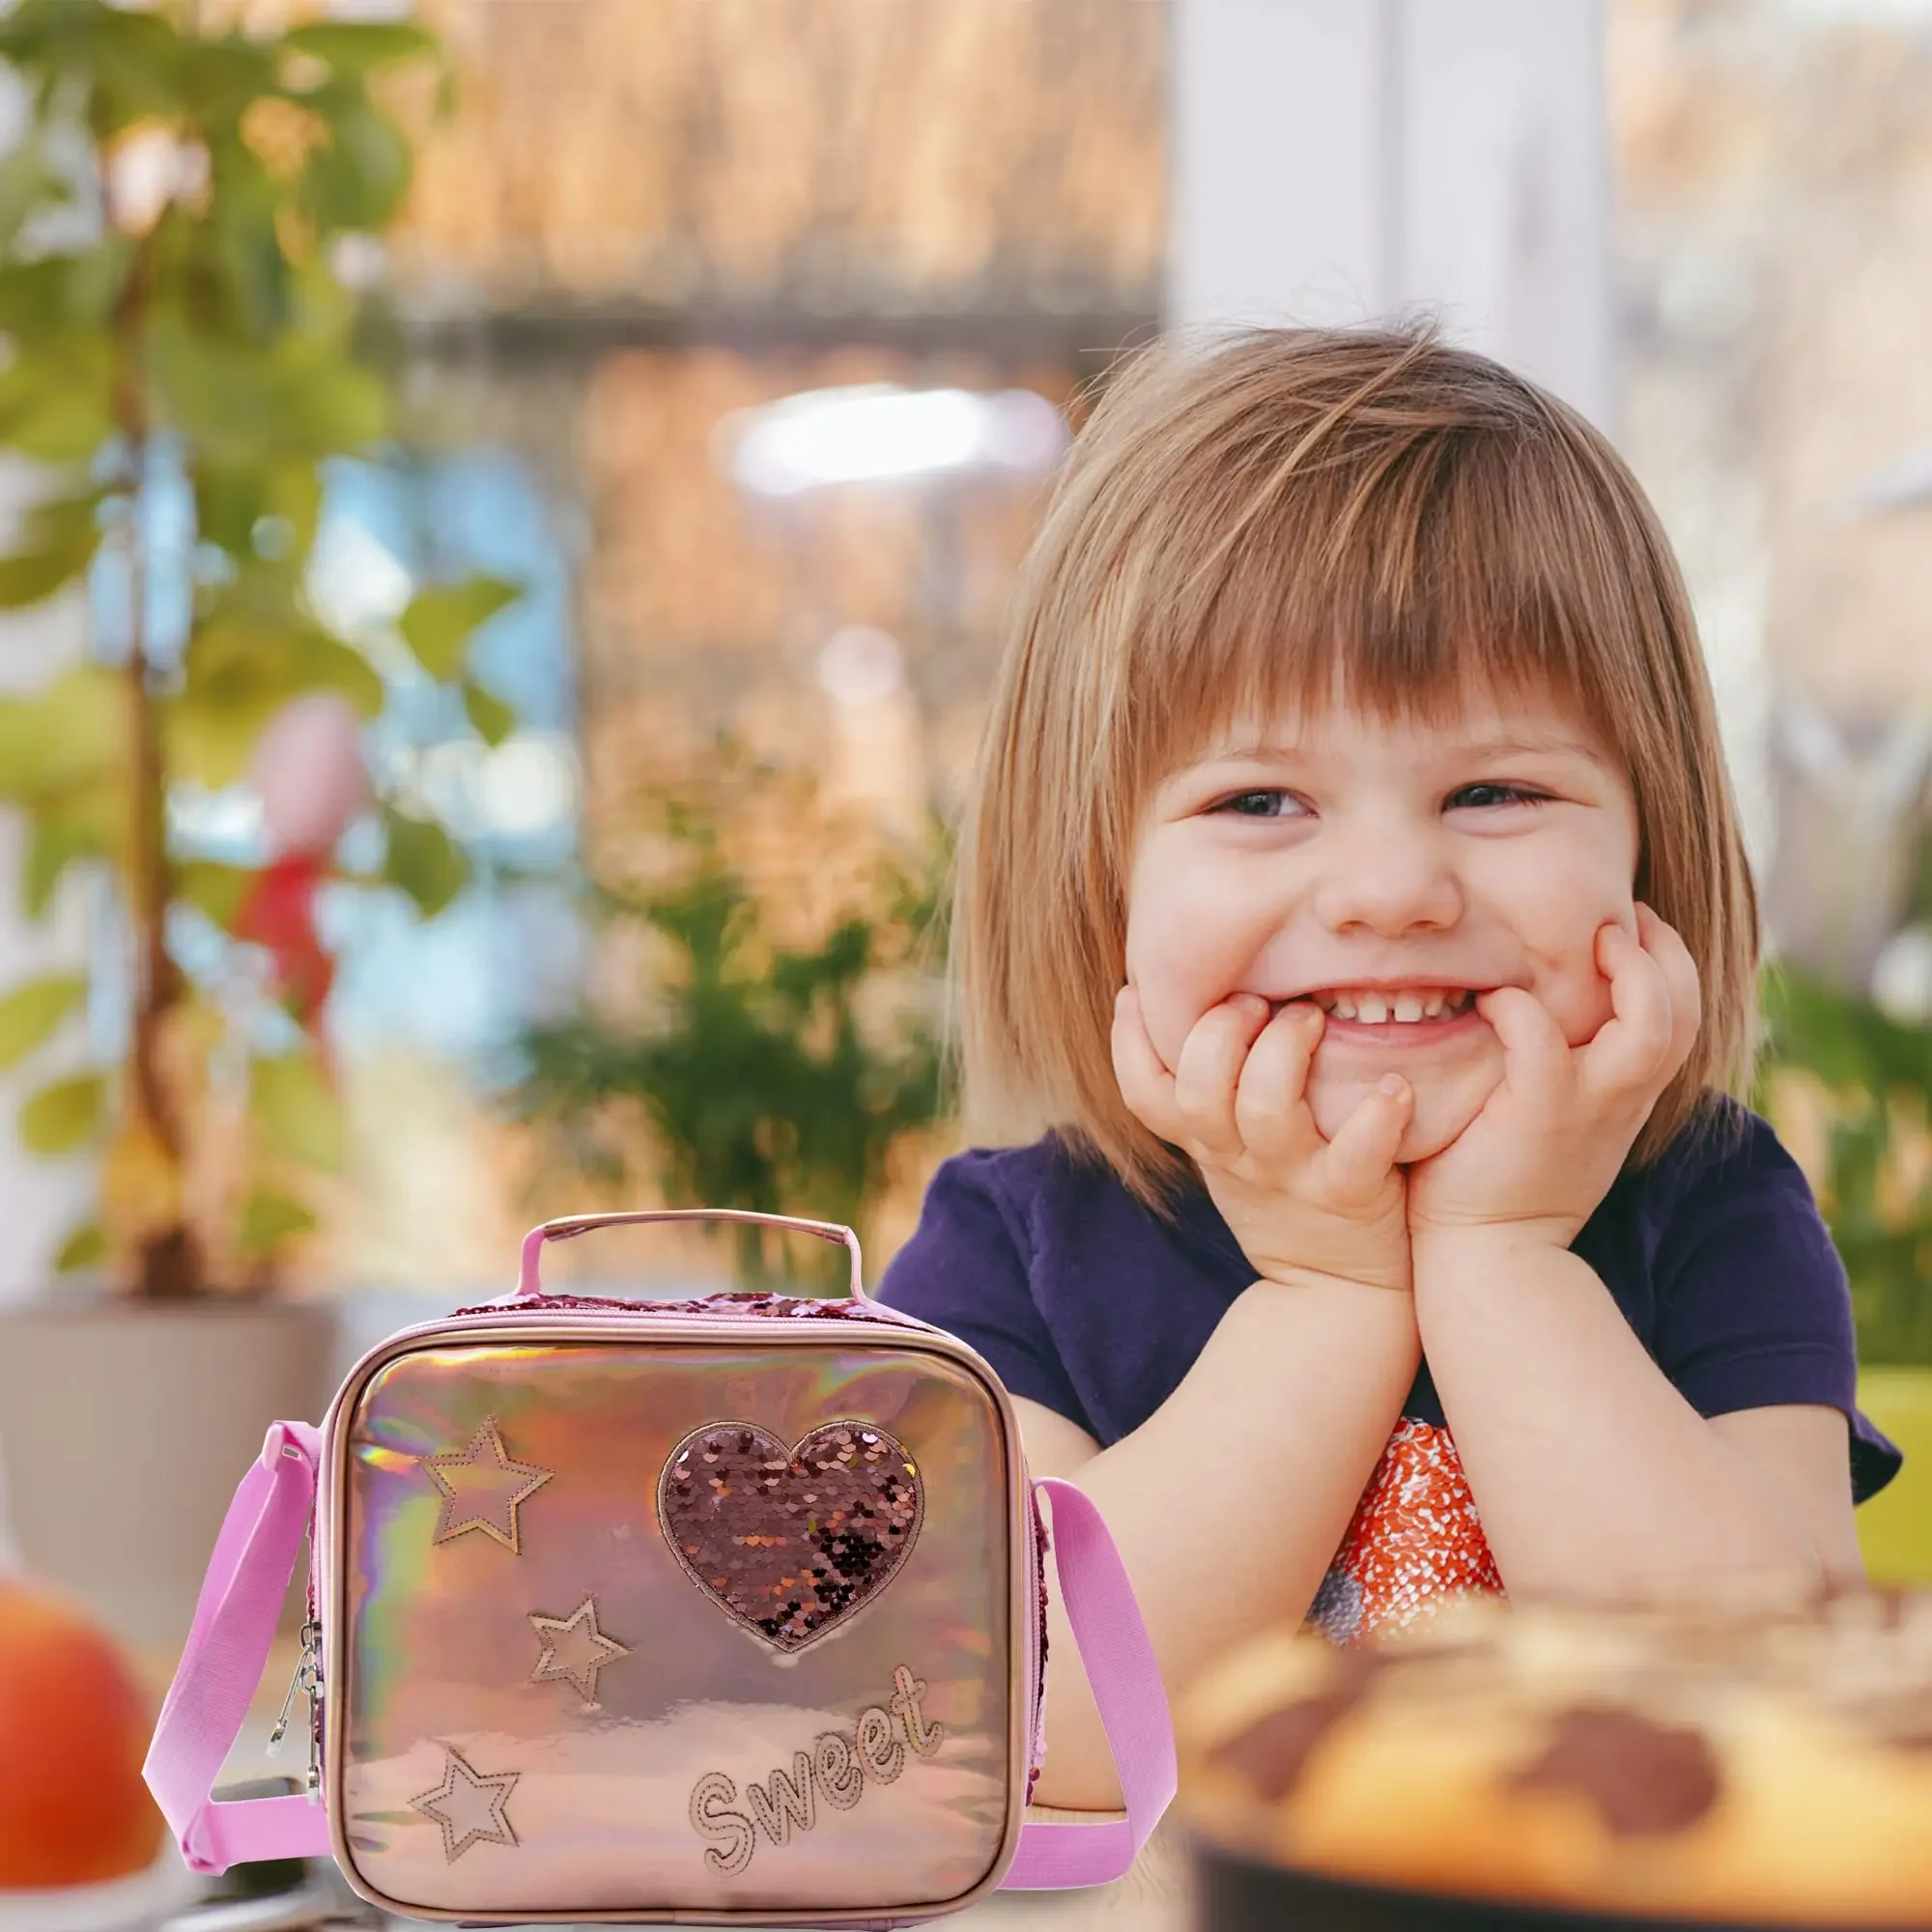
column 1234, row 529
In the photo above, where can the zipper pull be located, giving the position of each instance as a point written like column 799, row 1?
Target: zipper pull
column 303, row 1681
column 315, row 1725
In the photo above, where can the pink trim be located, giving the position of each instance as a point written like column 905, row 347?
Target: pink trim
column 1132, row 1702
column 228, row 1644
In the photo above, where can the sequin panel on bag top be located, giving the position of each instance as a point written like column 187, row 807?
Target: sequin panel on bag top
column 769, row 1307
column 1415, row 1540
column 789, row 1542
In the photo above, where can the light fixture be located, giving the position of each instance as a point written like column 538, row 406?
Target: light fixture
column 883, row 432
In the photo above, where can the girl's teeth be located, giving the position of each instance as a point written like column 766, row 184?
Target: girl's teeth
column 1376, row 1009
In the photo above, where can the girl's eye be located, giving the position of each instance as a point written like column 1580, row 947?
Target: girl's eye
column 1260, row 805
column 1486, row 794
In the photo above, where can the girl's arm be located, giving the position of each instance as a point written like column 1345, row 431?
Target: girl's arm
column 1227, row 1503
column 1595, row 1477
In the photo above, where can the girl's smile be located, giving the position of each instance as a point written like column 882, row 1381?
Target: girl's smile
column 1403, row 1018
column 1386, row 873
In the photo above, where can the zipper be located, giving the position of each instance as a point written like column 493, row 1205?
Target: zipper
column 315, row 1691
column 305, row 1679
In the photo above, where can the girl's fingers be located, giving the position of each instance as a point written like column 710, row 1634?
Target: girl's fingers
column 1271, row 1102
column 1666, row 945
column 1146, row 1085
column 1209, row 1068
column 1536, row 1057
column 1358, row 1159
column 1630, row 1051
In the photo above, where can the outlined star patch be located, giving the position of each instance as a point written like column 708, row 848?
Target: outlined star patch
column 470, row 1807
column 481, row 1487
column 575, row 1650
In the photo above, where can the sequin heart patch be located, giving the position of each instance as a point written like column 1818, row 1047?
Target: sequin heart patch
column 791, row 1542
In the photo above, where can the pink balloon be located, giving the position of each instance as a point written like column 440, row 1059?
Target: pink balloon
column 307, row 767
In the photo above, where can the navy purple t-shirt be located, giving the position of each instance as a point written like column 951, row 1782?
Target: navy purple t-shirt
column 1085, row 1300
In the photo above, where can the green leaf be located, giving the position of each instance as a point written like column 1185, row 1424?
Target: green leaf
column 82, row 824
column 268, row 1220
column 70, row 733
column 44, row 300
column 29, row 187
column 214, row 888
column 359, row 47
column 241, row 405
column 357, row 179
column 30, row 1013
column 438, row 624
column 424, row 860
column 258, row 510
column 63, row 1117
column 58, row 540
column 492, row 718
column 136, row 62
column 210, row 742
column 55, row 402
column 298, row 1113
column 217, row 78
column 85, row 1248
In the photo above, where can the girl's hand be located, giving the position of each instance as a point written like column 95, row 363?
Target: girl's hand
column 1299, row 1205
column 1552, row 1137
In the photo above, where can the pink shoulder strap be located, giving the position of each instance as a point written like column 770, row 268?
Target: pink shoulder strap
column 228, row 1644
column 1132, row 1702
column 241, row 1603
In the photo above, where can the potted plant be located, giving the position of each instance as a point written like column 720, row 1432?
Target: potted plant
column 1849, row 1086
column 183, row 364
column 785, row 1054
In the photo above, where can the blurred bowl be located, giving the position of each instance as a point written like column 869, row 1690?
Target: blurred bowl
column 1544, row 1768
column 1236, row 1895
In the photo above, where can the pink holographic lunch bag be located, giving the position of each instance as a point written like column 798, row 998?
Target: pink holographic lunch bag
column 715, row 1611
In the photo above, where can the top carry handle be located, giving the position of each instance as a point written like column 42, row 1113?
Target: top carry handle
column 570, row 1225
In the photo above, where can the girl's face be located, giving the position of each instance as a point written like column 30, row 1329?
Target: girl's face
column 1387, row 872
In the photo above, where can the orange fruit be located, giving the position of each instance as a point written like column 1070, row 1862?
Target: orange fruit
column 74, row 1729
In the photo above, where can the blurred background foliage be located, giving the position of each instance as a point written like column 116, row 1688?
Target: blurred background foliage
column 1846, row 1077
column 184, row 366
column 1850, row 1090
column 786, row 1055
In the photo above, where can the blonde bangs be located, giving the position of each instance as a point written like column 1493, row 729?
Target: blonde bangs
column 1297, row 518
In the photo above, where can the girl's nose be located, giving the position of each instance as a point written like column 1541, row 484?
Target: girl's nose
column 1389, row 886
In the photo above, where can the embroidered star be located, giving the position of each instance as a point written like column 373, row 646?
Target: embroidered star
column 481, row 1488
column 575, row 1650
column 469, row 1808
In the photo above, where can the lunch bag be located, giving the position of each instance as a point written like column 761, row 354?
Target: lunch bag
column 721, row 1611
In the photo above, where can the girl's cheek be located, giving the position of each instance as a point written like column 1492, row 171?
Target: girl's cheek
column 1165, row 1011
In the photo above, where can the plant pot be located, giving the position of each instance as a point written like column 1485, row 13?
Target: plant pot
column 124, row 1430
column 1895, row 1527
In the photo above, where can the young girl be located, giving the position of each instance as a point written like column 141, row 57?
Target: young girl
column 1354, row 894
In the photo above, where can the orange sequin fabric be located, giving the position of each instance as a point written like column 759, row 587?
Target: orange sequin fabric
column 1415, row 1540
